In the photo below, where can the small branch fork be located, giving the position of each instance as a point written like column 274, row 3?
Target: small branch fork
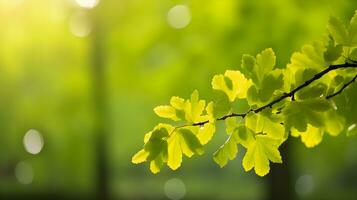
column 291, row 93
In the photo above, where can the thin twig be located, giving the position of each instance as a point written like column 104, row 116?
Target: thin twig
column 343, row 87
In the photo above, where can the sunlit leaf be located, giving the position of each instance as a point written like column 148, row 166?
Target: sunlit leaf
column 227, row 151
column 259, row 152
column 166, row 112
column 183, row 141
column 338, row 31
column 206, row 132
column 140, row 157
column 233, row 84
column 311, row 137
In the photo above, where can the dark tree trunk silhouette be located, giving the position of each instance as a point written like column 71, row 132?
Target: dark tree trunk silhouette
column 279, row 185
column 99, row 97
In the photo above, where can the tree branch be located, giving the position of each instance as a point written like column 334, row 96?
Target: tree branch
column 291, row 93
column 343, row 87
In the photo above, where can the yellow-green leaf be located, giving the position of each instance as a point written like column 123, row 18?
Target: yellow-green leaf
column 166, row 112
column 260, row 123
column 353, row 30
column 177, row 103
column 311, row 137
column 334, row 123
column 338, row 31
column 266, row 61
column 140, row 157
column 206, row 132
column 182, row 141
column 195, row 108
column 227, row 151
column 259, row 152
column 174, row 152
column 235, row 87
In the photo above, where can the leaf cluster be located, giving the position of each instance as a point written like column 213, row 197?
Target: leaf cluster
column 294, row 100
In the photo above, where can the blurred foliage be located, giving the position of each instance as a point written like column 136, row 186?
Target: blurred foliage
column 46, row 83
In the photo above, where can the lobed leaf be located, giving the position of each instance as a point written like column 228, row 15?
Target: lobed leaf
column 227, row 151
column 338, row 31
column 259, row 152
column 233, row 84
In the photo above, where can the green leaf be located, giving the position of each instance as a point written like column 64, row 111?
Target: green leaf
column 248, row 67
column 155, row 147
column 312, row 92
column 174, row 152
column 206, row 132
column 335, row 123
column 166, row 112
column 300, row 113
column 233, row 84
column 271, row 82
column 253, row 96
column 263, row 124
column 192, row 141
column 245, row 136
column 231, row 125
column 332, row 52
column 157, row 153
column 259, row 152
column 178, row 103
column 140, row 157
column 155, row 165
column 311, row 56
column 190, row 110
column 182, row 141
column 353, row 30
column 353, row 55
column 227, row 151
column 194, row 108
column 338, row 31
column 256, row 69
column 266, row 61
column 311, row 137
column 221, row 104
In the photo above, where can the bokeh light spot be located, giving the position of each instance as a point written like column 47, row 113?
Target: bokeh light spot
column 87, row 3
column 351, row 128
column 24, row 173
column 175, row 189
column 80, row 25
column 33, row 141
column 304, row 185
column 179, row 16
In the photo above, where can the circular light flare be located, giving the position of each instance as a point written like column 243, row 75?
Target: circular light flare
column 79, row 24
column 87, row 3
column 304, row 185
column 179, row 16
column 175, row 189
column 24, row 173
column 33, row 142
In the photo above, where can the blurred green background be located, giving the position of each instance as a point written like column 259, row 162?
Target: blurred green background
column 79, row 80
